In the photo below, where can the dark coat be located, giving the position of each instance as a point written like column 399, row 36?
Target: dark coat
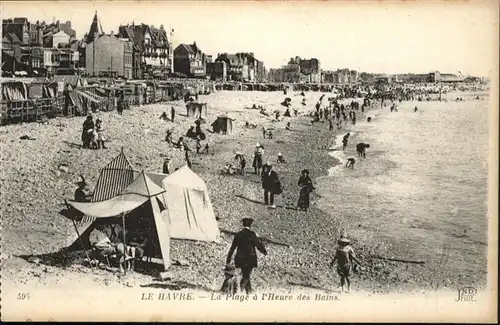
column 360, row 147
column 270, row 182
column 244, row 243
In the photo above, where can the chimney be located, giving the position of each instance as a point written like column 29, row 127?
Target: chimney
column 68, row 23
column 112, row 33
column 161, row 27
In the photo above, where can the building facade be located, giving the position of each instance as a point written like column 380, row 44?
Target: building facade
column 243, row 66
column 108, row 55
column 217, row 71
column 190, row 60
column 152, row 50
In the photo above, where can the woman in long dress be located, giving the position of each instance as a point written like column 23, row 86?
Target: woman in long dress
column 306, row 187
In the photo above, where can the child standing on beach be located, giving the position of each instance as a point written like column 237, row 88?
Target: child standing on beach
column 344, row 256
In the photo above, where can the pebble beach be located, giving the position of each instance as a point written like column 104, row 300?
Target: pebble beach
column 34, row 186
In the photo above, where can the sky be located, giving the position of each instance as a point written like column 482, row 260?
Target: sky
column 370, row 36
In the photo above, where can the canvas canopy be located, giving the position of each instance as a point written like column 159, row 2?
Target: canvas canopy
column 139, row 200
column 163, row 206
column 136, row 194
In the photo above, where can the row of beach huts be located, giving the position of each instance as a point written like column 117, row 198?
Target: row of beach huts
column 32, row 99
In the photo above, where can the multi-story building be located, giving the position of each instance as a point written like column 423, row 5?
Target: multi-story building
column 190, row 60
column 310, row 68
column 237, row 66
column 242, row 66
column 39, row 47
column 108, row 55
column 353, row 76
column 152, row 51
column 260, row 72
column 276, row 75
column 217, row 71
column 328, row 76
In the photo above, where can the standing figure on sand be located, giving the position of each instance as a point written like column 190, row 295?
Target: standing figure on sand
column 345, row 140
column 88, row 127
column 306, row 187
column 245, row 243
column 344, row 256
column 271, row 184
column 257, row 158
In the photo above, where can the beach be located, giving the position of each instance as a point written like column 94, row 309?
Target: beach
column 385, row 212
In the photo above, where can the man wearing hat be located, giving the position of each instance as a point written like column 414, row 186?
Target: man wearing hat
column 244, row 243
column 270, row 184
column 82, row 193
column 344, row 256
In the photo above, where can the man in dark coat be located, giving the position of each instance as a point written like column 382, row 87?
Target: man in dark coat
column 244, row 243
column 88, row 124
column 270, row 184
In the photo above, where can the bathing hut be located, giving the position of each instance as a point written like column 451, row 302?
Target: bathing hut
column 196, row 110
column 223, row 124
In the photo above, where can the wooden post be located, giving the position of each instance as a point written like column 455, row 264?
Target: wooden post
column 81, row 241
column 124, row 244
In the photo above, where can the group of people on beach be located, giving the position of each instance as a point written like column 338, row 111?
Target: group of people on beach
column 247, row 242
column 93, row 134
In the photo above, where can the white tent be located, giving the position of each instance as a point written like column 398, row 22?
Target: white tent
column 189, row 213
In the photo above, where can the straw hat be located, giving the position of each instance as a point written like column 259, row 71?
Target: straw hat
column 268, row 164
column 238, row 153
column 279, row 154
column 257, row 145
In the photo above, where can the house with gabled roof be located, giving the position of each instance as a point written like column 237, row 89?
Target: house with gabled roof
column 153, row 53
column 190, row 60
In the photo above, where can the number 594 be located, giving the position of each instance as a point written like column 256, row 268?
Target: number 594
column 23, row 296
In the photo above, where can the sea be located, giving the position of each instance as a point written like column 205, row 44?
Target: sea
column 422, row 191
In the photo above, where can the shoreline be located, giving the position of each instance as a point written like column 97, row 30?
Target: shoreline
column 312, row 235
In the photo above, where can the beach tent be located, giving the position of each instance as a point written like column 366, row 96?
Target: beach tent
column 223, row 124
column 139, row 208
column 196, row 110
column 189, row 213
column 185, row 206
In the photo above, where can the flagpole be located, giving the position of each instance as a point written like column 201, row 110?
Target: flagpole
column 172, row 47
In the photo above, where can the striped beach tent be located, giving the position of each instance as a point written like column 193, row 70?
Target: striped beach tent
column 114, row 178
